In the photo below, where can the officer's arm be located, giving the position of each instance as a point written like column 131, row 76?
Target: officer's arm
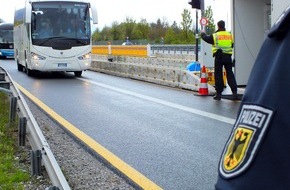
column 207, row 38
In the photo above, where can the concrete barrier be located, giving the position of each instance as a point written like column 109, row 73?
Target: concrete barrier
column 164, row 71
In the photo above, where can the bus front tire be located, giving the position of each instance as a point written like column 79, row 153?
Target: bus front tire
column 78, row 73
column 19, row 67
column 29, row 72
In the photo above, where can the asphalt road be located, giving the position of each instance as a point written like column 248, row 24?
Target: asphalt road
column 171, row 136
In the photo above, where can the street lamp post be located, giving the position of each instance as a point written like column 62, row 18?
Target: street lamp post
column 196, row 36
column 196, row 4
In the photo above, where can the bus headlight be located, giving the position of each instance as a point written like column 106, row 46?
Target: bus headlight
column 35, row 56
column 86, row 56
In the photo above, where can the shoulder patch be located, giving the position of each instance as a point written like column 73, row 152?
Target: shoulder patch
column 245, row 139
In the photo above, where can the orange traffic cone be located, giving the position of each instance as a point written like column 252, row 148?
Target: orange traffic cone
column 203, row 88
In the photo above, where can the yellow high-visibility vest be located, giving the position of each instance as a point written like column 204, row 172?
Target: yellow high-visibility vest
column 223, row 40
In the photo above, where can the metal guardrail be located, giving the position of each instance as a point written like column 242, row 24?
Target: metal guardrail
column 36, row 138
column 119, row 50
column 143, row 50
column 173, row 49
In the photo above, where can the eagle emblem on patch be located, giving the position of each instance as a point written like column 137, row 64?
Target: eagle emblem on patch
column 245, row 139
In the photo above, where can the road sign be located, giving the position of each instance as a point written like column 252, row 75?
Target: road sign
column 203, row 21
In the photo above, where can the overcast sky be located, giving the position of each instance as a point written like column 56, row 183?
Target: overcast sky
column 118, row 10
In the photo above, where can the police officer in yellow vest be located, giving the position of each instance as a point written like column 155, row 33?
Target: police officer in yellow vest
column 222, row 49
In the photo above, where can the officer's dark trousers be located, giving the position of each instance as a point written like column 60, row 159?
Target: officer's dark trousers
column 225, row 60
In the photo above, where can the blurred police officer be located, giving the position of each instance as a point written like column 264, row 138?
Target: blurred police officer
column 222, row 49
column 257, row 153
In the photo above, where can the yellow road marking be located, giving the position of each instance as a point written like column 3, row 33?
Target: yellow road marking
column 119, row 164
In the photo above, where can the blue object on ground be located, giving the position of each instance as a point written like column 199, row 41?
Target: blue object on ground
column 194, row 66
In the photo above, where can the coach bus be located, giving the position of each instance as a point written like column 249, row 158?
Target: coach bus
column 6, row 40
column 53, row 35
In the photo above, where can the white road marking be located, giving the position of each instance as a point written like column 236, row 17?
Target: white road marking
column 166, row 103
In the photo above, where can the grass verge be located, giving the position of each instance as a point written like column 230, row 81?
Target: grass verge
column 12, row 174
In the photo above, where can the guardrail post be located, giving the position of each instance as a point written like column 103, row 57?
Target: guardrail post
column 110, row 57
column 2, row 76
column 53, row 188
column 5, row 84
column 36, row 162
column 149, row 50
column 22, row 131
column 36, row 139
column 13, row 106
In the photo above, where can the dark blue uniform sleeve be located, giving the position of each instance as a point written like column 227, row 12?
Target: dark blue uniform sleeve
column 257, row 153
column 207, row 38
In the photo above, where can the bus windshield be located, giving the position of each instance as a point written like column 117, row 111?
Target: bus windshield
column 6, row 40
column 59, row 24
column 6, row 36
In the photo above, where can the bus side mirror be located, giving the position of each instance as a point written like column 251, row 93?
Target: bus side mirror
column 94, row 14
column 28, row 11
